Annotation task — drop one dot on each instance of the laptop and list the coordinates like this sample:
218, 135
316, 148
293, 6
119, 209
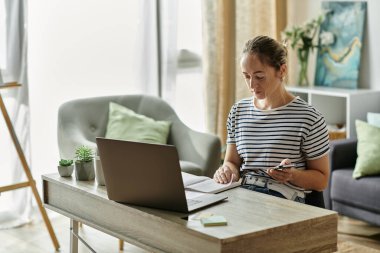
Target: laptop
147, 175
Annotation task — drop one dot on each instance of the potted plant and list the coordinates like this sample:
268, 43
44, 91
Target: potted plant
84, 163
65, 168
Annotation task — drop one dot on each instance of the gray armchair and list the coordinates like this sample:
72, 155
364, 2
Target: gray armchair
81, 121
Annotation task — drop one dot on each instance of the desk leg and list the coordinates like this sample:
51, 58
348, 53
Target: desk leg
73, 238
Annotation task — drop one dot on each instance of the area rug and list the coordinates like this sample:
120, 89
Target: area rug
350, 247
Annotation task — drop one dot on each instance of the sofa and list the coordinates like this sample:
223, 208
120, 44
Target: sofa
356, 198
80, 121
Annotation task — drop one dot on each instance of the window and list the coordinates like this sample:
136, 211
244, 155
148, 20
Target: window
189, 99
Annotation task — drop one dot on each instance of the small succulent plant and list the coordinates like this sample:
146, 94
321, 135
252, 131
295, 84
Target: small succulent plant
84, 154
65, 163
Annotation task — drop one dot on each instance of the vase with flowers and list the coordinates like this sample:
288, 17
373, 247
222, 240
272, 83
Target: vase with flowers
301, 39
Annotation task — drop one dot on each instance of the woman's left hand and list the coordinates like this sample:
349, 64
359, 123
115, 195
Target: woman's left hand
284, 175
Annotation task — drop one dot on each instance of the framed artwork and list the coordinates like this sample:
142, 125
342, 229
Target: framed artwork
340, 38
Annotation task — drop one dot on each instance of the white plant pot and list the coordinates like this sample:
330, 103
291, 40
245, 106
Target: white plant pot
65, 171
84, 171
99, 171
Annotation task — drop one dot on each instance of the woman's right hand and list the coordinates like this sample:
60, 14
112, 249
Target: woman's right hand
225, 175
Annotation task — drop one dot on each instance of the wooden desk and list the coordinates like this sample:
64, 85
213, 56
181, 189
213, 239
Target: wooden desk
256, 222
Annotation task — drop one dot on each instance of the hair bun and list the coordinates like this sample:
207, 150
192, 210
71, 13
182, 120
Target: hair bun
270, 51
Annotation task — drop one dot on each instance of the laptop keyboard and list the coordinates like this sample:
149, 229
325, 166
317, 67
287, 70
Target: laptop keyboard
191, 202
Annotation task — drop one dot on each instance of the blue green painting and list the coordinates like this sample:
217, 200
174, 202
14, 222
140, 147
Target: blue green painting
340, 37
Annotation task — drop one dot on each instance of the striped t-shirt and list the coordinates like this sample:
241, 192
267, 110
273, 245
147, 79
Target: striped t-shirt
264, 138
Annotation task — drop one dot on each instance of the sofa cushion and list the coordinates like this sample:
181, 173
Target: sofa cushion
368, 150
125, 124
361, 193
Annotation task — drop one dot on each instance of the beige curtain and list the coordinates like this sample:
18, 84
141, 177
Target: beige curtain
227, 25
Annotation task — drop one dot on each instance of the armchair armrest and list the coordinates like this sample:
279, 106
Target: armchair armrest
343, 153
209, 148
203, 149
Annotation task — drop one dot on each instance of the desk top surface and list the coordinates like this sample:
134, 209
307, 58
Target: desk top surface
245, 211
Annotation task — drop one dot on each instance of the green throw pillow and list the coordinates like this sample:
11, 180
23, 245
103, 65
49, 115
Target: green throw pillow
368, 161
373, 118
125, 124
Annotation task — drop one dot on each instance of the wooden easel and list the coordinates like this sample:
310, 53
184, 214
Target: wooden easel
30, 181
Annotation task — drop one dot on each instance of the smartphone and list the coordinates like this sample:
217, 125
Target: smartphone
284, 166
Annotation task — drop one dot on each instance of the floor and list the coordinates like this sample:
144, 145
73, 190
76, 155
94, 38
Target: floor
358, 232
34, 238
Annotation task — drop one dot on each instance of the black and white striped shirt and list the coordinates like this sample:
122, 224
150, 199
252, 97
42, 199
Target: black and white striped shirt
264, 138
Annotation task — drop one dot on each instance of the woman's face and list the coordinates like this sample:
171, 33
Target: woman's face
262, 80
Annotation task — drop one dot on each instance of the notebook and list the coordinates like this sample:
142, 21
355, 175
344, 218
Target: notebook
147, 175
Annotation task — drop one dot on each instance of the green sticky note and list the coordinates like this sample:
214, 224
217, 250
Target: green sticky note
215, 220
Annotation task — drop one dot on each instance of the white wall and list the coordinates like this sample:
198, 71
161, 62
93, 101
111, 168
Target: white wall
76, 49
300, 11
369, 72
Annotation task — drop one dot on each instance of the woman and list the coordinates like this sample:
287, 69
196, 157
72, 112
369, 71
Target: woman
273, 128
